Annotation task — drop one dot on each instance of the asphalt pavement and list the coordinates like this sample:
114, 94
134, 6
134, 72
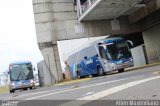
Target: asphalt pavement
140, 84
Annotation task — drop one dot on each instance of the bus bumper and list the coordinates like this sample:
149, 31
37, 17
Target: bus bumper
21, 86
115, 67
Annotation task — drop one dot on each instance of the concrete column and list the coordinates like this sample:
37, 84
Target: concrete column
57, 63
151, 39
44, 20
51, 58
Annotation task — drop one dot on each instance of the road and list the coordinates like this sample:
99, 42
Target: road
140, 84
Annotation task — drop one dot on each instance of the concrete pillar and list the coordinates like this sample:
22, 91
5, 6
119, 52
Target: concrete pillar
151, 40
51, 58
57, 63
43, 12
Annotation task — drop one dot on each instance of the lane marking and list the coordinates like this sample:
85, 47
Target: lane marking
145, 67
36, 93
87, 86
107, 92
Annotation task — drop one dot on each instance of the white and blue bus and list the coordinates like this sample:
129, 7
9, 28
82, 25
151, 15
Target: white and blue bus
100, 57
21, 76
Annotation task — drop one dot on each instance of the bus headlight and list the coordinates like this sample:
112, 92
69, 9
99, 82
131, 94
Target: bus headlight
31, 81
12, 83
113, 66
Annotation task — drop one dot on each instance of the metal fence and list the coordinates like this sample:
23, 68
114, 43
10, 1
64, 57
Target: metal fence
81, 8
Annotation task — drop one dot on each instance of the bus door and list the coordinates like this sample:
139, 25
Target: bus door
103, 58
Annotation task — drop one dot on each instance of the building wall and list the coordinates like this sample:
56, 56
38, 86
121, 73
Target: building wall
151, 40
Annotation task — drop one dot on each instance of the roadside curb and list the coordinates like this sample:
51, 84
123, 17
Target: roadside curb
156, 73
145, 66
73, 81
86, 79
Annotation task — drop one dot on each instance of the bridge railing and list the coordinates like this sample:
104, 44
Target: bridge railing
82, 8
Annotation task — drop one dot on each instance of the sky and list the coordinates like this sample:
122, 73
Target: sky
17, 33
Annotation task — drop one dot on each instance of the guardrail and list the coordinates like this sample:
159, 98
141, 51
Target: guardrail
87, 4
81, 8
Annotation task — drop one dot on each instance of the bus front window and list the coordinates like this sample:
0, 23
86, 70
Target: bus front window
118, 51
21, 72
27, 71
16, 73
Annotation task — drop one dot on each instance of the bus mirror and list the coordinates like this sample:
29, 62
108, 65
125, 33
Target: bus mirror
34, 68
85, 57
130, 43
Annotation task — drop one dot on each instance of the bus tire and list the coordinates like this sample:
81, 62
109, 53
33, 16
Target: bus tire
100, 71
95, 75
121, 70
12, 91
24, 89
31, 88
78, 76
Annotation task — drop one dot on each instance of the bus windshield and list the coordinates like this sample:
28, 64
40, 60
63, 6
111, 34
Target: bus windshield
21, 72
115, 51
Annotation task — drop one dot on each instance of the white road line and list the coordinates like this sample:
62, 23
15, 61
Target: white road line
87, 86
107, 92
36, 93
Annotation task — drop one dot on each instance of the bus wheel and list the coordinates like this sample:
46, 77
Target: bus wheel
24, 89
78, 76
11, 91
31, 88
95, 75
100, 71
121, 70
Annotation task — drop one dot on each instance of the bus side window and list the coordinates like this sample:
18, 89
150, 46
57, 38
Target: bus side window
85, 57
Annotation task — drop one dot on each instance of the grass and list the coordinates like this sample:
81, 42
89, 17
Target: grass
4, 89
72, 81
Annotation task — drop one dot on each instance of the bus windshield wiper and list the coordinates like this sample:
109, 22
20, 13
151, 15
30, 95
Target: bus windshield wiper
18, 76
28, 75
25, 75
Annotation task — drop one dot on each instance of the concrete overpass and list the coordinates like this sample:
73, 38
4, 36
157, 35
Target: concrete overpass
107, 9
58, 20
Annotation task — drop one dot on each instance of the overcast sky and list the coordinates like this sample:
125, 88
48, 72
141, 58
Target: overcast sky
17, 33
